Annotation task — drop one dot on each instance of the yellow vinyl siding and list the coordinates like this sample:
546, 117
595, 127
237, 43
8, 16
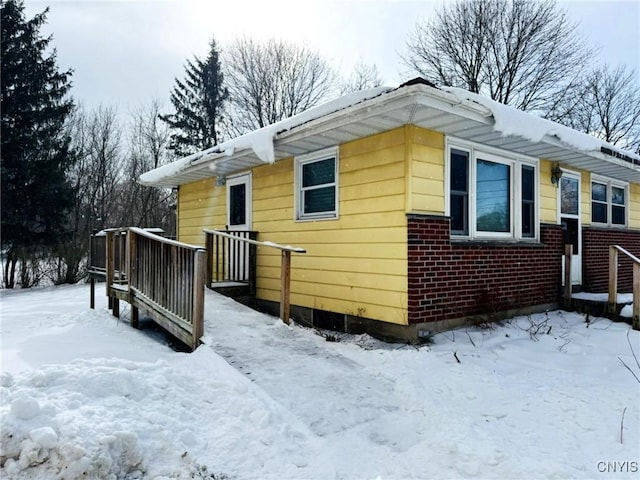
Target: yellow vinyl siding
355, 264
548, 194
634, 206
200, 205
426, 170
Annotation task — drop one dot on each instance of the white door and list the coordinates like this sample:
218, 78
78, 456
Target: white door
238, 220
569, 208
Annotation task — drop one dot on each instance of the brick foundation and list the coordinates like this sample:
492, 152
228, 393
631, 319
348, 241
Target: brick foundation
595, 257
453, 280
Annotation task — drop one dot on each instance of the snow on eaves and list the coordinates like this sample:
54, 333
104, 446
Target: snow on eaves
510, 121
261, 140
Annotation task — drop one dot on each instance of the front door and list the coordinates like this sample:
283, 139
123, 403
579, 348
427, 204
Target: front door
238, 220
569, 207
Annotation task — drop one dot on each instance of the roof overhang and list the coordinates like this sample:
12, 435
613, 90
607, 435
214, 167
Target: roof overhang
416, 104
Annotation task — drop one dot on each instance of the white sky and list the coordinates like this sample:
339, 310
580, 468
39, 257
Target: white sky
127, 53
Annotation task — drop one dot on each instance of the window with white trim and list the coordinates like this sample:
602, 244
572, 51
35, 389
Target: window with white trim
491, 194
316, 185
608, 201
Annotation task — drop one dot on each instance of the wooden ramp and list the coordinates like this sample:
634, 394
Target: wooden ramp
163, 277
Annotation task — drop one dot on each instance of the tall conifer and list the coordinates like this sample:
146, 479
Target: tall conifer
35, 146
198, 101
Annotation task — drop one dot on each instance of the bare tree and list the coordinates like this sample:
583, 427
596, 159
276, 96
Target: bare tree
362, 77
518, 52
606, 105
149, 145
95, 178
272, 81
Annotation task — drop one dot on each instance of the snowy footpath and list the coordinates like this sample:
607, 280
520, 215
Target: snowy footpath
83, 395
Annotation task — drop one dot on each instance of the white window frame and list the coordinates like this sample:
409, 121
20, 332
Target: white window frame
515, 162
610, 183
299, 162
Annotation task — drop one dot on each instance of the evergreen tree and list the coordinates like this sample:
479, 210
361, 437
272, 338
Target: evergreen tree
198, 101
35, 145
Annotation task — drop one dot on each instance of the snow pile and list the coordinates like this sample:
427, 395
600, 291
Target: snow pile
259, 141
83, 395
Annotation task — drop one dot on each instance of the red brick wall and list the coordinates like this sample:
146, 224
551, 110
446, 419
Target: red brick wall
595, 258
453, 280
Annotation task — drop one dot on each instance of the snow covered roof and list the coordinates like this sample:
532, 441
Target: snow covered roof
448, 110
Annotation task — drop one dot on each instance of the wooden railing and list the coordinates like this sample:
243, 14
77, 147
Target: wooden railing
285, 269
614, 251
163, 277
166, 278
230, 258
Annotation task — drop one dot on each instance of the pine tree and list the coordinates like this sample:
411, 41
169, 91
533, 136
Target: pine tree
198, 101
35, 146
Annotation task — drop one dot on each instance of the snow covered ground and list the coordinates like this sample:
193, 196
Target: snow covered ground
83, 395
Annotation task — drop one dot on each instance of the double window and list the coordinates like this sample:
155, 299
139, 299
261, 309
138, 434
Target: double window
491, 195
608, 201
317, 185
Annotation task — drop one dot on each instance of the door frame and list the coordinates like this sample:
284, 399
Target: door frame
243, 178
576, 264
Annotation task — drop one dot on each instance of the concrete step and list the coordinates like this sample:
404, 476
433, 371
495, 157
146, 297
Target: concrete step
597, 304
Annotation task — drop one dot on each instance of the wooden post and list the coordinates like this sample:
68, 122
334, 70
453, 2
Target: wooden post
209, 246
116, 307
636, 297
135, 315
253, 262
92, 292
285, 286
613, 279
566, 296
199, 275
109, 267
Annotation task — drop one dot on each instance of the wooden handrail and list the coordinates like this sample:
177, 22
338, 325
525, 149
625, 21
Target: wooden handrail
285, 267
613, 283
162, 276
255, 242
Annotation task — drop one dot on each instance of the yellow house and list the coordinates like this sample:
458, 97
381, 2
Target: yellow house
419, 207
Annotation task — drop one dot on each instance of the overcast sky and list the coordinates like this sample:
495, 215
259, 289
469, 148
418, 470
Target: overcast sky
127, 52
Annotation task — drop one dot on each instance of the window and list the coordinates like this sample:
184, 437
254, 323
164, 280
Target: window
317, 185
459, 192
491, 195
608, 201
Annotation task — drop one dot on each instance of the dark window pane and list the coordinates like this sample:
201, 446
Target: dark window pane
528, 202
459, 171
458, 196
598, 192
493, 197
320, 200
528, 219
459, 222
599, 212
571, 233
617, 195
237, 204
319, 173
528, 185
618, 215
569, 196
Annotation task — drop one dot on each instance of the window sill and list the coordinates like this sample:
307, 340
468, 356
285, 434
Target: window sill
495, 242
316, 219
605, 226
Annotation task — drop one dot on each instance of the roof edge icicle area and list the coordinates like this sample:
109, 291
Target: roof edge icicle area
504, 120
